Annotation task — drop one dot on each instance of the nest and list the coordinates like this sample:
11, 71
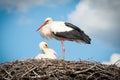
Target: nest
31, 69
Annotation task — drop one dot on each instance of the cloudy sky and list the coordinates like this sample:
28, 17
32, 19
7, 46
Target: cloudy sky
19, 20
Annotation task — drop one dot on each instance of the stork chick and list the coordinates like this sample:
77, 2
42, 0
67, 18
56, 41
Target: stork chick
47, 53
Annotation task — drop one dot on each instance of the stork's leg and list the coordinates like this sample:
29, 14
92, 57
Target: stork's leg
63, 49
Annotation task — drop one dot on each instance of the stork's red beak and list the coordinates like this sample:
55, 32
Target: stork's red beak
41, 26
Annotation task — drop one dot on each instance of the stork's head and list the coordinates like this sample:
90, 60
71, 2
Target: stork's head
47, 20
43, 45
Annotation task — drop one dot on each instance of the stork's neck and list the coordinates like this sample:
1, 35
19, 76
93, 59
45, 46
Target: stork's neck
49, 51
44, 50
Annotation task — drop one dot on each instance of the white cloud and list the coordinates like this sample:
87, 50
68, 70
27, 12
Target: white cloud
114, 59
24, 5
100, 19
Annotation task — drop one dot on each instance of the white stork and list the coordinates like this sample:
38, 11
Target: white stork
47, 53
62, 31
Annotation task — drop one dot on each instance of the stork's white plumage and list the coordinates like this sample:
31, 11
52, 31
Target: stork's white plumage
62, 31
47, 53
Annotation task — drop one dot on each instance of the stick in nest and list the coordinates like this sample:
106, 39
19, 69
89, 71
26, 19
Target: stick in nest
78, 72
29, 71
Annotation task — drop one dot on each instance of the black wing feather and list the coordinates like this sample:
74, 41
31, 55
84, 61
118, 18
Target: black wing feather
73, 35
72, 26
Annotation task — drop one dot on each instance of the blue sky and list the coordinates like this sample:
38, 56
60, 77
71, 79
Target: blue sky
19, 21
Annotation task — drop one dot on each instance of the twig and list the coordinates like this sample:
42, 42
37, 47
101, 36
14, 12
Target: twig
43, 76
6, 78
78, 72
54, 76
105, 71
29, 71
109, 77
6, 72
36, 74
91, 75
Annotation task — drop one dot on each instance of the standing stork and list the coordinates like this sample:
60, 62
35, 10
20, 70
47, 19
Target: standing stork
62, 31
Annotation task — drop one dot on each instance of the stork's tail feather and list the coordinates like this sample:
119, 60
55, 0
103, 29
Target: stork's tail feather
86, 38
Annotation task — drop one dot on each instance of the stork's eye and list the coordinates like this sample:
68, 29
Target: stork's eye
46, 45
47, 21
